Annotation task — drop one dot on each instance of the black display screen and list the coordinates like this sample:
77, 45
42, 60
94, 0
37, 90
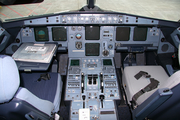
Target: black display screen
92, 33
59, 33
140, 34
41, 34
74, 62
107, 62
122, 33
92, 49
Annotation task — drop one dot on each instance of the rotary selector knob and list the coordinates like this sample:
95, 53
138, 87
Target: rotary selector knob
79, 28
73, 28
105, 53
78, 45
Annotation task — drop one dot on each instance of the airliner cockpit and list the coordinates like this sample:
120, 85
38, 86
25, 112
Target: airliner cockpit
89, 64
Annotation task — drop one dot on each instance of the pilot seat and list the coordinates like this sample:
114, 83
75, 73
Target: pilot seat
35, 99
151, 93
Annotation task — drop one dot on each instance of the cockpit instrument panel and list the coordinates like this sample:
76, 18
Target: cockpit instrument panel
75, 32
91, 42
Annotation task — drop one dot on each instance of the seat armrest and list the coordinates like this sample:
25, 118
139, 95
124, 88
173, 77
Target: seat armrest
42, 105
150, 104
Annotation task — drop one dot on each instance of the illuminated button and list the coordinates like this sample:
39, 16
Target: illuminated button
68, 18
89, 60
74, 18
84, 60
103, 19
109, 18
86, 18
96, 60
92, 60
114, 18
82, 18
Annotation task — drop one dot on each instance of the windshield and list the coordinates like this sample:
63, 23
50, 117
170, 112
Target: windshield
166, 9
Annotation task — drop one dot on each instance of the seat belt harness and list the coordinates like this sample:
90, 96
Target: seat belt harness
154, 84
142, 73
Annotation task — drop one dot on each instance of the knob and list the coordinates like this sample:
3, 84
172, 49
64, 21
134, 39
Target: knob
78, 45
105, 53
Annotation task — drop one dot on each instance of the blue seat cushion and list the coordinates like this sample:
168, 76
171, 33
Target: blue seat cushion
44, 89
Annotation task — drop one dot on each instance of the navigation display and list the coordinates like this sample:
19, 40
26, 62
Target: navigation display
41, 34
122, 33
92, 49
59, 33
140, 34
92, 33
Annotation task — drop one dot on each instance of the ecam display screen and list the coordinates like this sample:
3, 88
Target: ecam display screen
92, 32
107, 62
74, 62
92, 49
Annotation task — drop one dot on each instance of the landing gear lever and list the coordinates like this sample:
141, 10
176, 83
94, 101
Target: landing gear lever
101, 97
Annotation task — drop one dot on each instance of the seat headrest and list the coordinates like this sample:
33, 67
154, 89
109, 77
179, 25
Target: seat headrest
9, 78
172, 81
